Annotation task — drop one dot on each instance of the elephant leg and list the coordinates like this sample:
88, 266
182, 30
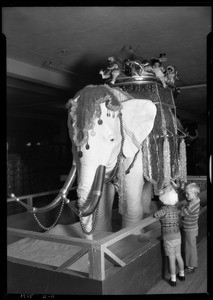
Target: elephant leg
105, 208
134, 186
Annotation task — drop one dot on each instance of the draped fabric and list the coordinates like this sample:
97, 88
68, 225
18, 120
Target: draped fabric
160, 152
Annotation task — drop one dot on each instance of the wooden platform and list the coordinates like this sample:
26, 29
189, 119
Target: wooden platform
143, 265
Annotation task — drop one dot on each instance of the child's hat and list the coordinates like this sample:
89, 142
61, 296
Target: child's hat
168, 195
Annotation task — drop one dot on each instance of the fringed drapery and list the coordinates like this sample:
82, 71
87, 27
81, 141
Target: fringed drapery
182, 161
121, 187
161, 160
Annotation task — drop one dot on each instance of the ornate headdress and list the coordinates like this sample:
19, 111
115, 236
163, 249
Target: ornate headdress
85, 109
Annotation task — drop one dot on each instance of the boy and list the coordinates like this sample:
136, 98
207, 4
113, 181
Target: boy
190, 215
169, 218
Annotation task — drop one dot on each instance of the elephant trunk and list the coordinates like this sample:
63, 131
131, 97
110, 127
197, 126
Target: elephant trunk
88, 208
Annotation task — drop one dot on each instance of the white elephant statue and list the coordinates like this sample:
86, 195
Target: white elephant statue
111, 129
123, 141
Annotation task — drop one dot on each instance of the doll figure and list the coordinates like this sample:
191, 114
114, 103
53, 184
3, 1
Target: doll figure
112, 70
171, 74
159, 71
127, 67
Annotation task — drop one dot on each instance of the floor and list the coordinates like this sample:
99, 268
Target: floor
194, 283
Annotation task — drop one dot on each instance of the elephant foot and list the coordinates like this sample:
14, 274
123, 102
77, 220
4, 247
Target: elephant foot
144, 237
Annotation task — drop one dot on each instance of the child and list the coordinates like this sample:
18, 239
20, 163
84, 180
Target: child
169, 218
190, 215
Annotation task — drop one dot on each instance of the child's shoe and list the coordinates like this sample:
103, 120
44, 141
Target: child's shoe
181, 278
189, 270
172, 283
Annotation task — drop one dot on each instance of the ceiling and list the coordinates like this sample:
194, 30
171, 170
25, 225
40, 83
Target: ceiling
52, 52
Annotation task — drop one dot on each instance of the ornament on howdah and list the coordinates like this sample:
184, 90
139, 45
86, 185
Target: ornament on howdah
135, 66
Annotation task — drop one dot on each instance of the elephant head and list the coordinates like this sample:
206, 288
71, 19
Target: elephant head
104, 124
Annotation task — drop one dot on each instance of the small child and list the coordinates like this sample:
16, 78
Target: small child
169, 218
190, 215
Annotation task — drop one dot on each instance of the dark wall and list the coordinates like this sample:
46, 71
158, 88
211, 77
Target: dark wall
38, 153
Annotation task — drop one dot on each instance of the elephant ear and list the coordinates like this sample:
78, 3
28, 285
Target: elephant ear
138, 121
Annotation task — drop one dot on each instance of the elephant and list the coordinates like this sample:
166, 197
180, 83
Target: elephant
111, 133
125, 140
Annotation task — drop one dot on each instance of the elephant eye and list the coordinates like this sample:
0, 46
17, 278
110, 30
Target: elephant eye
113, 137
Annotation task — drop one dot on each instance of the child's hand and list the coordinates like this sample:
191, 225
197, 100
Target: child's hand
176, 185
181, 203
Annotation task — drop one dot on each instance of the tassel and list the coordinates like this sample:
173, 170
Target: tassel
166, 161
121, 188
182, 161
80, 154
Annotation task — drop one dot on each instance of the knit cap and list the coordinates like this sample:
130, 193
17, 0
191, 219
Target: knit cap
168, 196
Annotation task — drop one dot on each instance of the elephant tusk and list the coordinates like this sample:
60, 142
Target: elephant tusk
60, 197
96, 194
69, 181
63, 192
